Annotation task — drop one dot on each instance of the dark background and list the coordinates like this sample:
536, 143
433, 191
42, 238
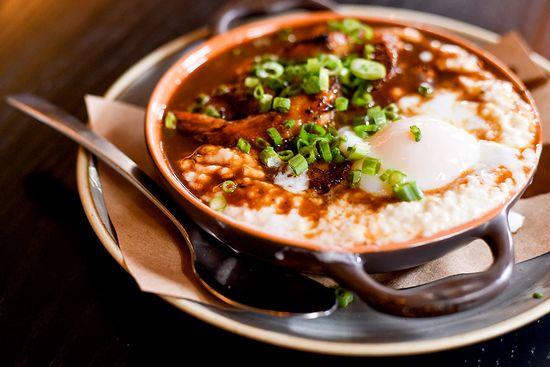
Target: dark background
63, 300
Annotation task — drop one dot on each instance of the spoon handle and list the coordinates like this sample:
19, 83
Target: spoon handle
77, 131
249, 285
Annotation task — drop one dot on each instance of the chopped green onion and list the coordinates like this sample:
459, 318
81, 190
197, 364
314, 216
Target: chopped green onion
376, 115
261, 143
358, 151
243, 145
324, 80
300, 143
229, 186
218, 202
344, 297
269, 157
281, 104
310, 153
170, 121
203, 99
324, 148
314, 129
313, 65
258, 92
337, 156
289, 124
350, 25
223, 89
363, 131
274, 135
341, 104
298, 164
332, 63
344, 76
361, 98
393, 177
270, 69
311, 85
354, 177
285, 155
371, 166
251, 82
425, 89
265, 102
369, 51
407, 191
367, 69
212, 112
416, 133
538, 295
391, 111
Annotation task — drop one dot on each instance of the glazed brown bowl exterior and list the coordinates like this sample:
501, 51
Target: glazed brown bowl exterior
348, 266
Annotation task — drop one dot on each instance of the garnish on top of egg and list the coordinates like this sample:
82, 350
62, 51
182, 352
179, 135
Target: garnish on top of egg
346, 135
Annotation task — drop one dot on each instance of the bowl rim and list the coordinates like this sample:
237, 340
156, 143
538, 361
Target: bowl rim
216, 45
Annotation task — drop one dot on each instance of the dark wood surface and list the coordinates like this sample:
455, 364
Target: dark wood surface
63, 300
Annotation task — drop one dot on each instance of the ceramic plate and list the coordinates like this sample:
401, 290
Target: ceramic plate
357, 330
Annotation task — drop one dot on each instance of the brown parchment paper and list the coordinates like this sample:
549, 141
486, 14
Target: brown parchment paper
157, 257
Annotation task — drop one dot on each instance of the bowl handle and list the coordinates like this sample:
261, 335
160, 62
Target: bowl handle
444, 296
236, 9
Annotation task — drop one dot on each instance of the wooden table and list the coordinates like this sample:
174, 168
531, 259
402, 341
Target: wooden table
63, 300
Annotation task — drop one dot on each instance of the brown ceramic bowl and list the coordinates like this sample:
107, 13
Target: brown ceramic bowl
349, 267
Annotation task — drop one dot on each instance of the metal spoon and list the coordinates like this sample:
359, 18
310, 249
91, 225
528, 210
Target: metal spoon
236, 279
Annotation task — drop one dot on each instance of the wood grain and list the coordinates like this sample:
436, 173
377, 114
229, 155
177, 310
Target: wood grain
63, 301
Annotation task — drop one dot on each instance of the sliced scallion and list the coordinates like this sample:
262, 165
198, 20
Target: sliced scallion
416, 133
281, 104
289, 124
309, 153
341, 104
425, 89
228, 186
369, 51
218, 202
313, 65
393, 177
203, 99
361, 98
376, 115
270, 69
212, 112
269, 157
407, 191
170, 121
285, 155
298, 164
367, 69
258, 92
275, 136
251, 82
311, 84
358, 151
265, 102
337, 156
243, 145
344, 297
371, 166
261, 143
324, 80
324, 149
354, 178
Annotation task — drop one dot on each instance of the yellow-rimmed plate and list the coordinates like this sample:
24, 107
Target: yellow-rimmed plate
356, 330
